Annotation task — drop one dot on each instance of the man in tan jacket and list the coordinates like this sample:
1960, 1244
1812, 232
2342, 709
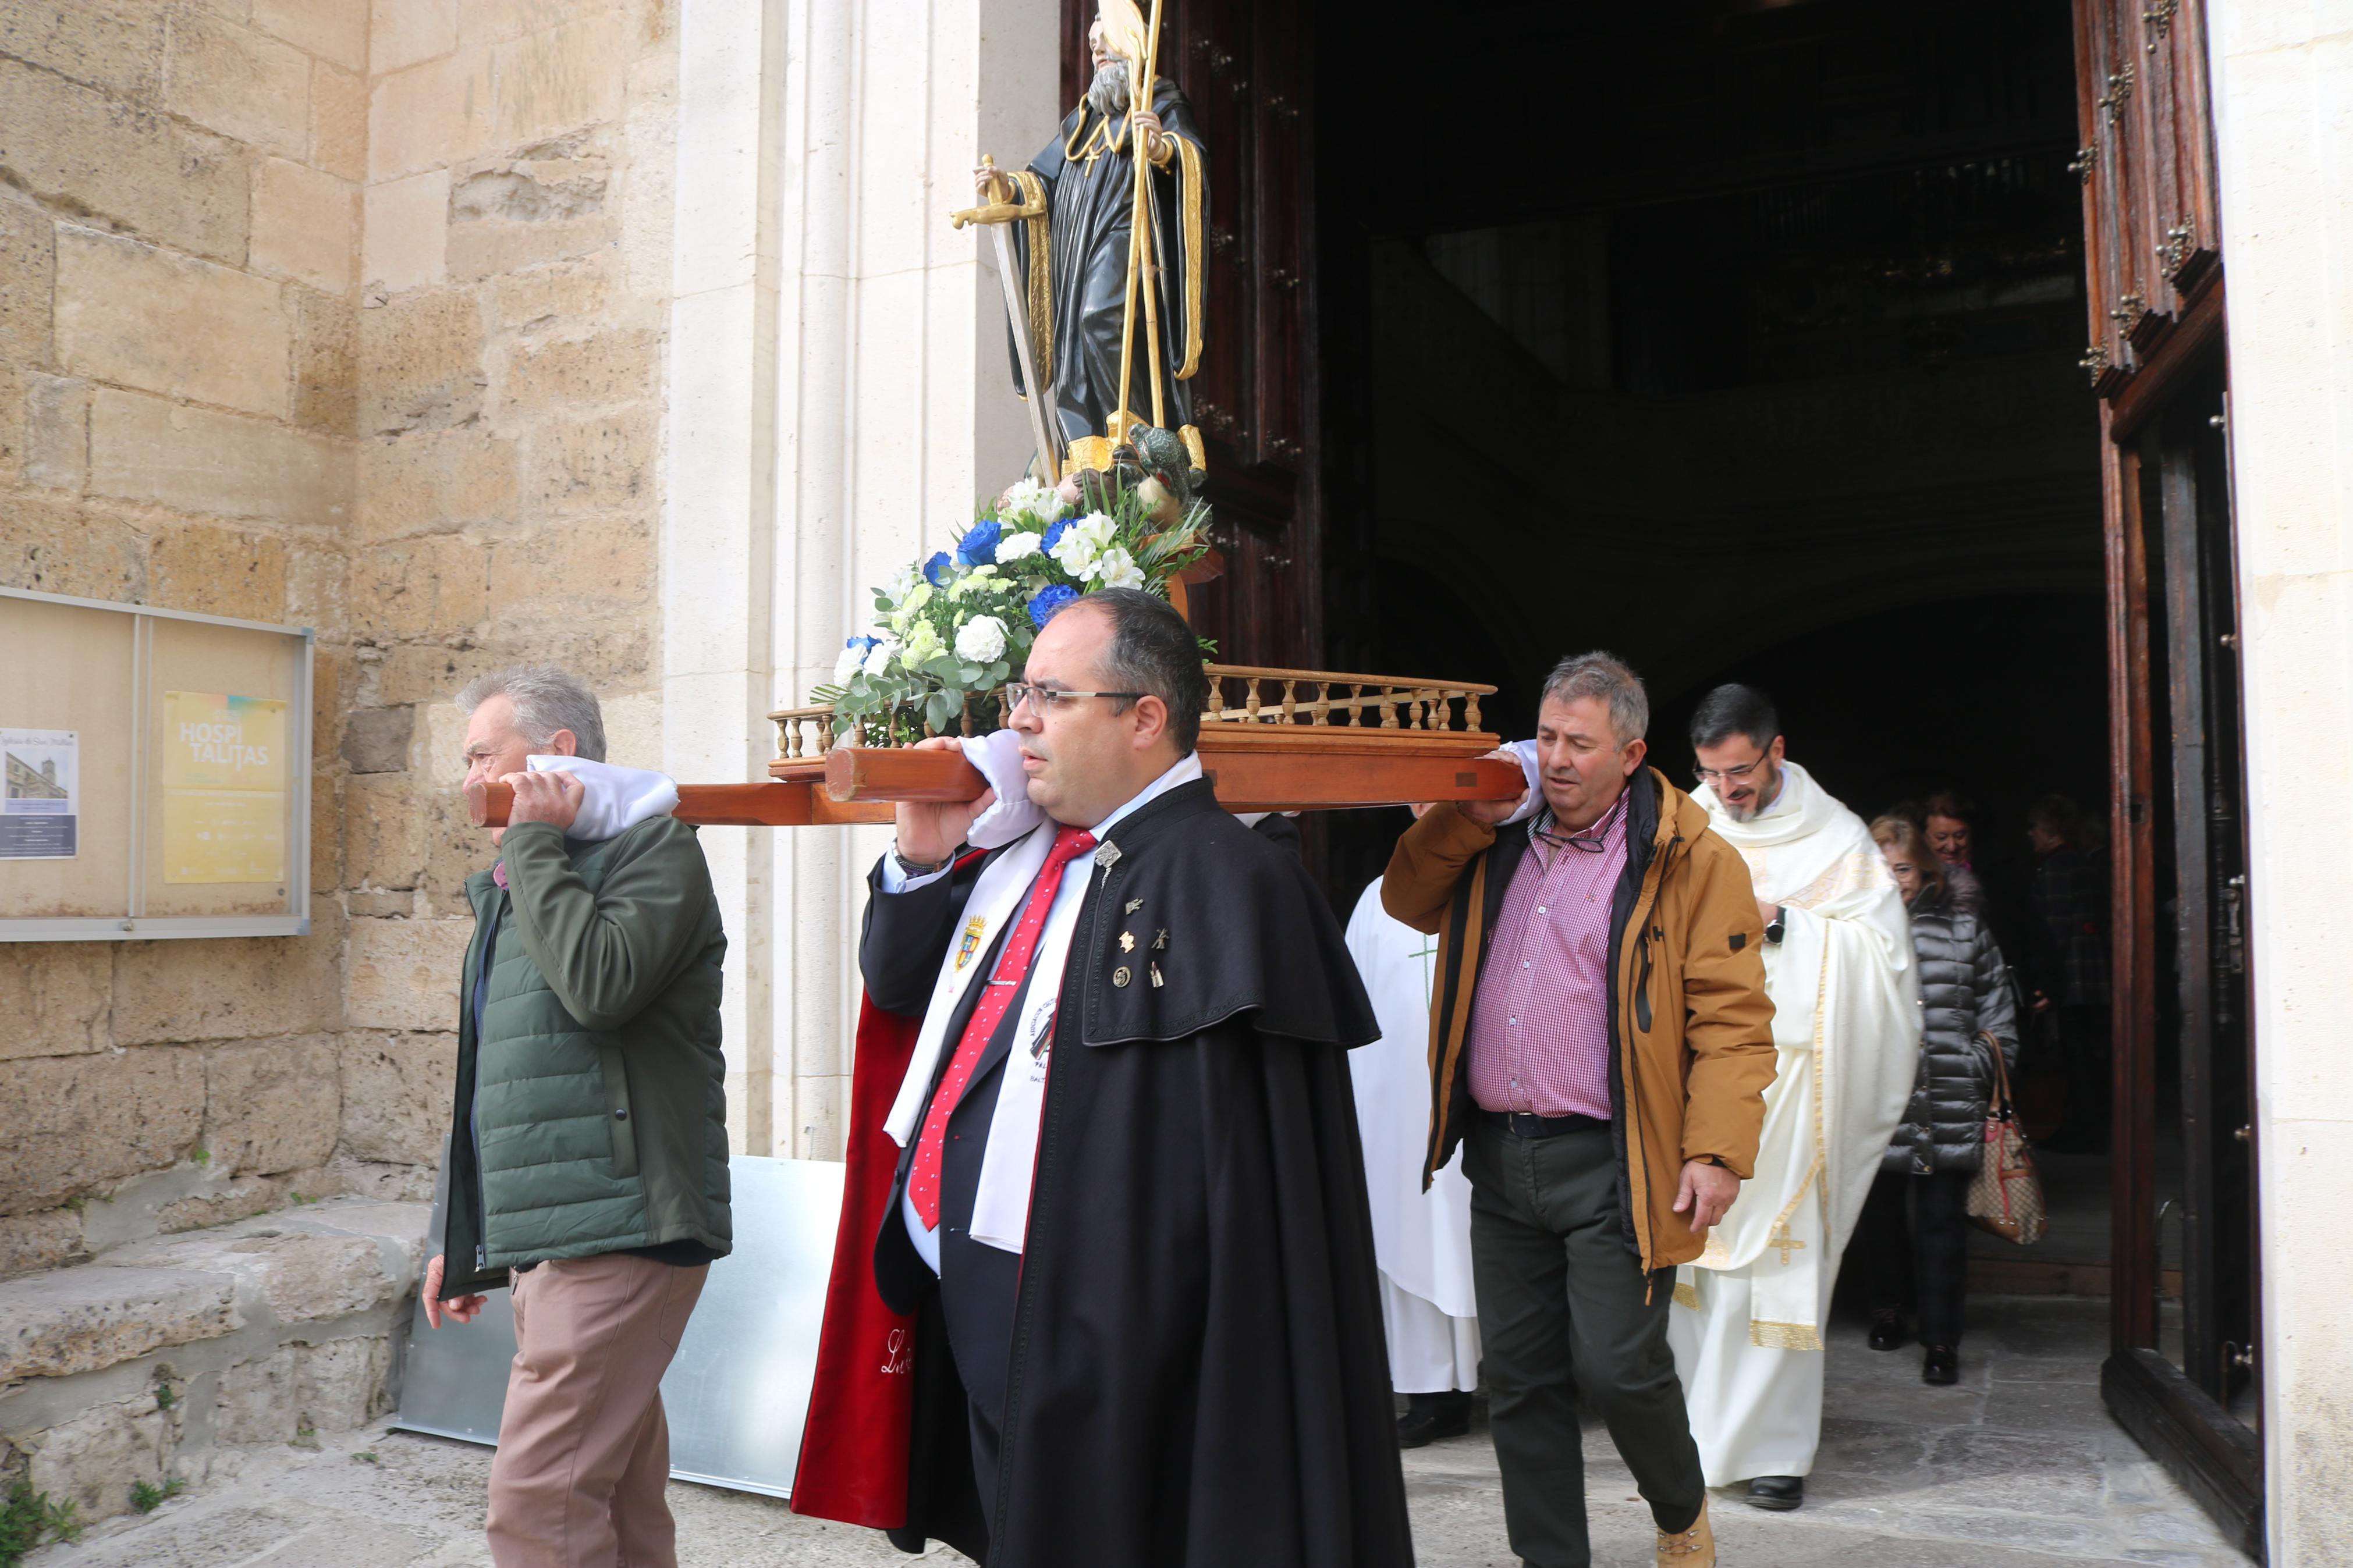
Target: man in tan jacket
1600, 1040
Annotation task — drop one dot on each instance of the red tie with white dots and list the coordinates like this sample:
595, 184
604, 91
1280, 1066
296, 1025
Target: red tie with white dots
1012, 966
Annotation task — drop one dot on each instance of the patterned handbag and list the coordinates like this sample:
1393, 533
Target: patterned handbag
2006, 1194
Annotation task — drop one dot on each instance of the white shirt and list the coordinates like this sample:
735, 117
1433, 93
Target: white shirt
1061, 926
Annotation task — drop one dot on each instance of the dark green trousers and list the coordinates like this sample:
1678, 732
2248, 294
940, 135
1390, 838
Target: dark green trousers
1562, 1307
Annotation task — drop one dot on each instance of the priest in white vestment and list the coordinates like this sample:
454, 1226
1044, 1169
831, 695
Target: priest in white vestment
1421, 1241
1746, 1329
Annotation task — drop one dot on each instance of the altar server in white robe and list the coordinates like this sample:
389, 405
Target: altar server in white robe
1747, 1329
1421, 1241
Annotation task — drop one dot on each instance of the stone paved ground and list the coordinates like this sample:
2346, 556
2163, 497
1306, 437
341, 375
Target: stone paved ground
2018, 1467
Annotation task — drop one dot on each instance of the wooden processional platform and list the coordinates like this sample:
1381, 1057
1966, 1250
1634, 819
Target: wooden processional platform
1274, 739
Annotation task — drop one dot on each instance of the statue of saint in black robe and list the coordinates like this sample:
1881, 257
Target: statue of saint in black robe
1190, 1371
1074, 261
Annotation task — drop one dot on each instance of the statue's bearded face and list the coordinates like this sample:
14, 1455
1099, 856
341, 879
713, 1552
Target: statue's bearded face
1107, 94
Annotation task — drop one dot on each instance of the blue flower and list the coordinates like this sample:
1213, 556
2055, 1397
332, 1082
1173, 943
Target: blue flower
863, 644
1054, 534
1049, 603
978, 547
937, 570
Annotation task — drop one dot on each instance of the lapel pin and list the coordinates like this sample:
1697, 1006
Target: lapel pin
1120, 976
1107, 856
1127, 941
1133, 905
1157, 981
1160, 942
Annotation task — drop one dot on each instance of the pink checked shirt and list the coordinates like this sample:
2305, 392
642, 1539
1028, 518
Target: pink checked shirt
1540, 1018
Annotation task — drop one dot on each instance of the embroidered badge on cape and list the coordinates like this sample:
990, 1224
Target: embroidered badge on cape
972, 931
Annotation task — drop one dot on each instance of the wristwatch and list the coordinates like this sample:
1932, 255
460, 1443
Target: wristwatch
917, 867
1773, 934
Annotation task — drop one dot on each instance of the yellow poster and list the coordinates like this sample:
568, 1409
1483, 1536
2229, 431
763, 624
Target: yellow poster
225, 782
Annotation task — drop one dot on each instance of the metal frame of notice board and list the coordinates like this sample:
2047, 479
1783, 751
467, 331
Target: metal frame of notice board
132, 919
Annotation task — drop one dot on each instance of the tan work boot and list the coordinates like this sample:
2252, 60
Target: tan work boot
1692, 1548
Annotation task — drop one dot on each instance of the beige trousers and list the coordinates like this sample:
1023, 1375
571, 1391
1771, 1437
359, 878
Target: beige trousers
584, 1449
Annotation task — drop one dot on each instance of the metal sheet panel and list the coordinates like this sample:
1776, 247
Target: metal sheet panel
738, 1389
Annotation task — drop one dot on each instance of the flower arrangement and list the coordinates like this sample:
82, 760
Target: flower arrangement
950, 631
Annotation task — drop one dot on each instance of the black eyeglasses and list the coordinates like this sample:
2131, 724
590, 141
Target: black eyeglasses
1046, 698
1590, 840
1727, 776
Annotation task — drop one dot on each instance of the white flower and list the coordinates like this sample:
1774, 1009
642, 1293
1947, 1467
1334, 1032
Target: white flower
971, 582
1081, 542
878, 658
1027, 497
981, 640
1115, 568
852, 660
1015, 546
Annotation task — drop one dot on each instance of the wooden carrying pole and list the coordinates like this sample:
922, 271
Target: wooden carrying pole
860, 783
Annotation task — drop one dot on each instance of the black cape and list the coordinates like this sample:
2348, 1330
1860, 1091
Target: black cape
1199, 1374
1090, 219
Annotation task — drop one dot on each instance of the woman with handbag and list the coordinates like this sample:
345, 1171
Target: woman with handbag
1914, 1228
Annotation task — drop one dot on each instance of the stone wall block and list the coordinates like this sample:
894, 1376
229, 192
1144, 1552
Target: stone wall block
317, 573
246, 986
115, 45
98, 1457
339, 110
560, 78
310, 1278
256, 1400
193, 459
593, 465
80, 1124
54, 998
340, 1385
429, 481
429, 115
219, 571
551, 297
482, 250
272, 1106
403, 32
244, 84
405, 974
240, 1199
427, 672
436, 585
595, 567
581, 373
326, 830
326, 361
125, 166
151, 319
51, 545
384, 840
396, 1093
454, 850
404, 238
56, 432
27, 273
78, 1320
420, 363
334, 30
375, 740
305, 224
33, 1242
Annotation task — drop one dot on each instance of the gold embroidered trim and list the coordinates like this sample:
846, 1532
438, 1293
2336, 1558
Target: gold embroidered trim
1041, 273
1189, 160
1687, 1296
1784, 1336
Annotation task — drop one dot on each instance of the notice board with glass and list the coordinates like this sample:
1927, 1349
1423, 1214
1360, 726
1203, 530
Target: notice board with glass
158, 773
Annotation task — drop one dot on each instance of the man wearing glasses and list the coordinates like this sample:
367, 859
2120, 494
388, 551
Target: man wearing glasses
1747, 1328
1601, 1047
1128, 1217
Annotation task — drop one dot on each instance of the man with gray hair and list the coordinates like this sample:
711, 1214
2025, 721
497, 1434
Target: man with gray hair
587, 1161
1601, 1046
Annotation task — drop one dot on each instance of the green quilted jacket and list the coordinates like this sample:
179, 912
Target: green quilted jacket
591, 1114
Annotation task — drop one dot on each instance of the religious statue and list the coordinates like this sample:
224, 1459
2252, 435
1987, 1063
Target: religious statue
1101, 256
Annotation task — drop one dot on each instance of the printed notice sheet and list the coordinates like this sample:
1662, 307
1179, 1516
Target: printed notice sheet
40, 814
225, 782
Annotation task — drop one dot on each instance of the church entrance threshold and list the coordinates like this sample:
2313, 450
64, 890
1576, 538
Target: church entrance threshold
2018, 1466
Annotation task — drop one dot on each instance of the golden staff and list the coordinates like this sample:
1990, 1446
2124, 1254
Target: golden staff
1139, 243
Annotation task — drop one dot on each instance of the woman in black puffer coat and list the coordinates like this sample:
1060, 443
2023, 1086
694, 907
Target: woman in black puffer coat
1964, 992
